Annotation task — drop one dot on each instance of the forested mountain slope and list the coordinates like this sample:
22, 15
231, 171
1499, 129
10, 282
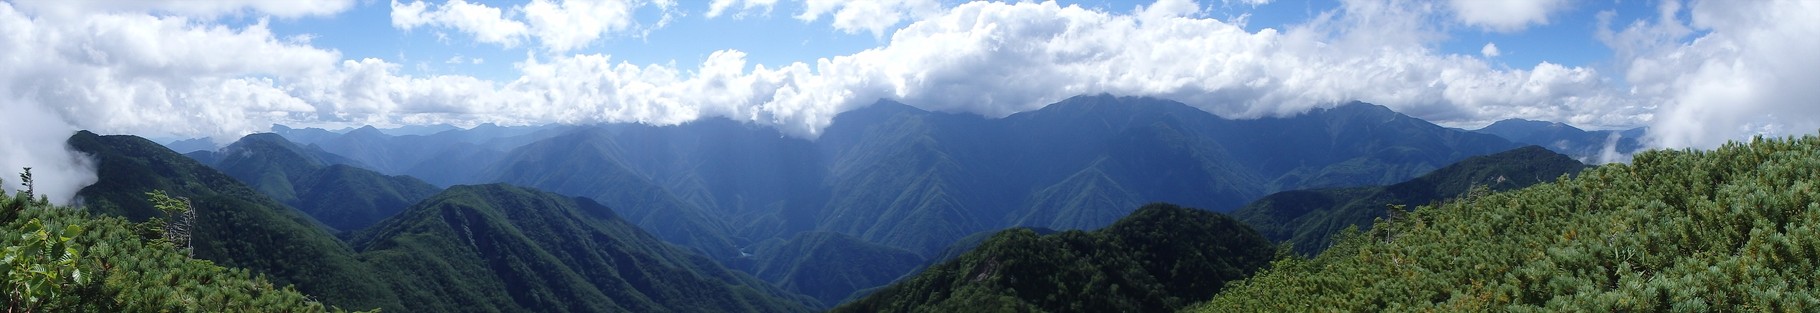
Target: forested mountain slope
830, 266
234, 225
321, 184
498, 247
588, 163
1159, 259
539, 248
917, 180
1308, 219
1728, 230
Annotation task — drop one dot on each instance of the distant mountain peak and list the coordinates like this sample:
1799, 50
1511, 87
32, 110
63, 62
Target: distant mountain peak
1361, 107
888, 105
1526, 123
366, 130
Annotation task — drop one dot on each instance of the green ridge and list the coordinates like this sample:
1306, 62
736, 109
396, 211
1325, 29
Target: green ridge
1160, 258
1729, 230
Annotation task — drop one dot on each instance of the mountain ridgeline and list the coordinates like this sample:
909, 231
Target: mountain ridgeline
478, 255
1161, 258
1597, 146
830, 266
329, 187
516, 249
234, 226
1308, 219
916, 180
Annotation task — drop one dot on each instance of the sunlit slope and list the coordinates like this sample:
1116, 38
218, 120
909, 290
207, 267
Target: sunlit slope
1733, 229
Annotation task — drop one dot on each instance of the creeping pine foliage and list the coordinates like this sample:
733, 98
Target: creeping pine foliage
1733, 229
61, 259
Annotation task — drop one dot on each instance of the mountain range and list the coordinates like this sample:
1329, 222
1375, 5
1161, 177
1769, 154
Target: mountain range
1309, 219
485, 248
1598, 146
916, 180
893, 185
333, 189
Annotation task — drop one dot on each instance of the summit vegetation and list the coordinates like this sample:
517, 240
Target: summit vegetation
1736, 229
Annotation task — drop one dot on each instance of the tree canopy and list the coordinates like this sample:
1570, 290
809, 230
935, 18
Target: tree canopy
1732, 229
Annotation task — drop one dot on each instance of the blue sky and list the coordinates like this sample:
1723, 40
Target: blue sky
364, 31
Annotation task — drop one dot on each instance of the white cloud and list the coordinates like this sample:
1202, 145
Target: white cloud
573, 24
32, 137
988, 58
171, 75
557, 25
718, 7
486, 24
874, 16
192, 8
1490, 50
1735, 69
1505, 15
1169, 8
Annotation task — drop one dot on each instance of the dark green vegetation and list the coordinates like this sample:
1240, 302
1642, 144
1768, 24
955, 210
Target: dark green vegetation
528, 258
1730, 230
830, 266
515, 249
1158, 259
1587, 146
316, 182
1308, 219
235, 226
60, 259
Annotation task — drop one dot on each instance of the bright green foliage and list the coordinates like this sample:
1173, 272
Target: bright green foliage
1735, 229
1160, 258
60, 259
1307, 220
40, 268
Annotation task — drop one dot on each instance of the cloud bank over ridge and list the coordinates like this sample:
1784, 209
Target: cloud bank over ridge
1699, 74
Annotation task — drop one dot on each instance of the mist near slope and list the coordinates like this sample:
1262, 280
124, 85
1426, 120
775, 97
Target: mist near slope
32, 137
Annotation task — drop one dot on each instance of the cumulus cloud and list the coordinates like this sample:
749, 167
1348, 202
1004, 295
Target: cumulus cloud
874, 16
1733, 70
1490, 50
1505, 15
178, 76
987, 58
718, 7
192, 8
486, 24
556, 25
